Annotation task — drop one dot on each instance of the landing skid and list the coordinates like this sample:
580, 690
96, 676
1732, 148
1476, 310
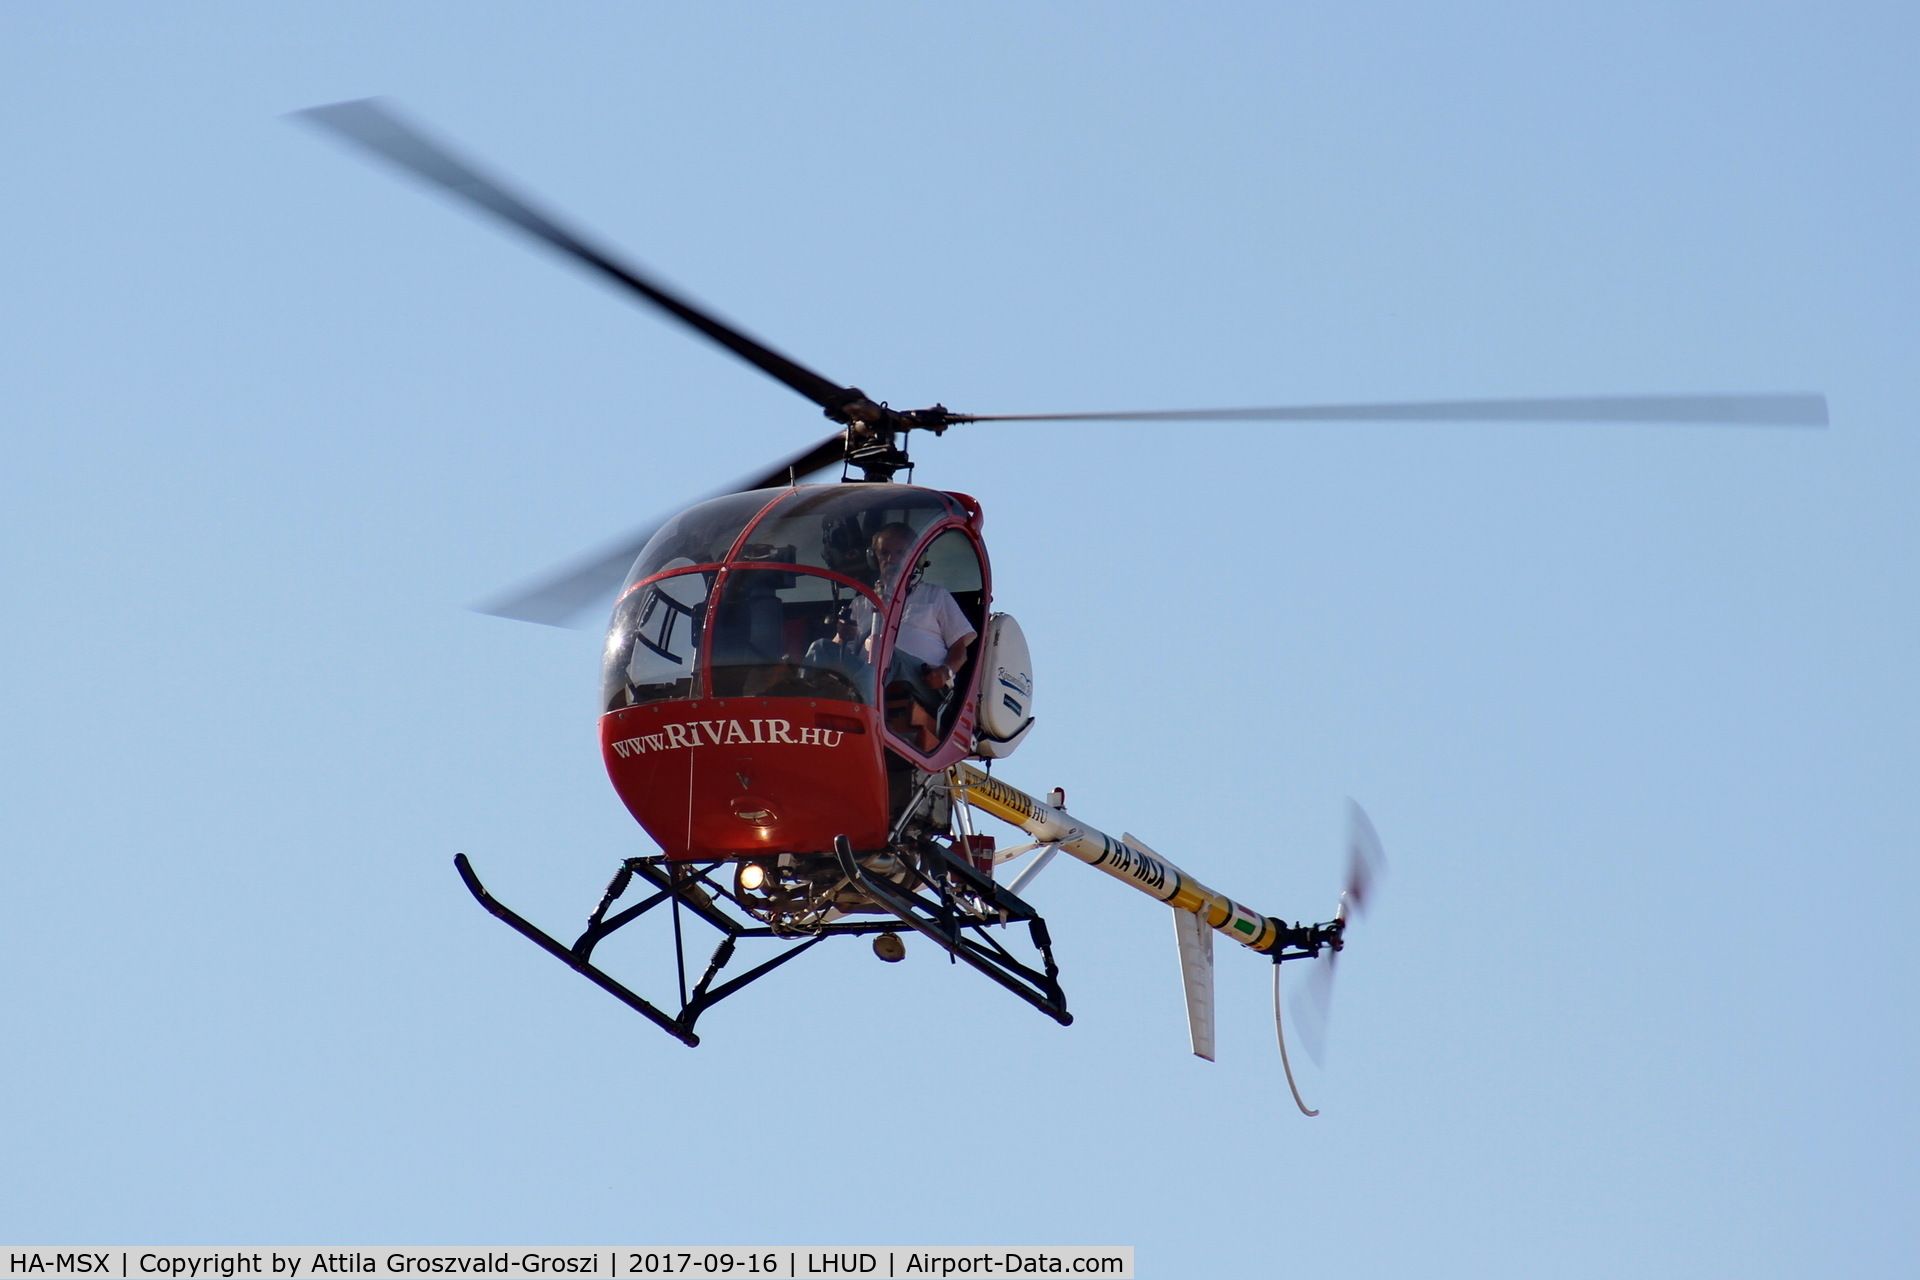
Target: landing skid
953, 907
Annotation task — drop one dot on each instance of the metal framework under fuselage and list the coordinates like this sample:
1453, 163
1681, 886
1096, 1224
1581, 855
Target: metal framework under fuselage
943, 898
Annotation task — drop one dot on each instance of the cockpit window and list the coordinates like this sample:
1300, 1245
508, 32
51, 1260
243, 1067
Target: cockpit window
654, 642
833, 526
780, 634
702, 534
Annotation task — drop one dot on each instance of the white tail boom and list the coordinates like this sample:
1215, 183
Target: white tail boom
1198, 912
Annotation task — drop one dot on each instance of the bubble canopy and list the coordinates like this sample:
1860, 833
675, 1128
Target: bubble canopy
768, 593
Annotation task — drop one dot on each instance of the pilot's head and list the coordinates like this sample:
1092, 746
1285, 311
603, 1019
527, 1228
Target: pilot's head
891, 542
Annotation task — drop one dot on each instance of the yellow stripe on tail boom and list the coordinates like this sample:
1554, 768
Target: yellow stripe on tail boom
1124, 860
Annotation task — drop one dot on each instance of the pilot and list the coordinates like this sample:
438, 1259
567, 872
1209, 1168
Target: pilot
931, 645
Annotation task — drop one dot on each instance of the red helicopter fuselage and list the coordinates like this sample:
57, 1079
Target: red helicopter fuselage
762, 692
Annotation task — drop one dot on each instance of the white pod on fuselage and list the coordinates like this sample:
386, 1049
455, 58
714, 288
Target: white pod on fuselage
1006, 690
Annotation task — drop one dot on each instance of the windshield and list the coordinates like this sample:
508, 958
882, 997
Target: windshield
702, 534
790, 635
833, 526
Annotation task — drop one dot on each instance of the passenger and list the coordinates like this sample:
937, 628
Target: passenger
843, 645
841, 654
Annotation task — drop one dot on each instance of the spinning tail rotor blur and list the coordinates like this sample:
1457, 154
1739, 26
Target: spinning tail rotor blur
1312, 1001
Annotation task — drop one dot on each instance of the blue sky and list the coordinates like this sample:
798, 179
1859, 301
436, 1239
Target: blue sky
1632, 707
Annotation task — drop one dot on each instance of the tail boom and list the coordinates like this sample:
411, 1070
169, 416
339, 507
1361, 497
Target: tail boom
1125, 860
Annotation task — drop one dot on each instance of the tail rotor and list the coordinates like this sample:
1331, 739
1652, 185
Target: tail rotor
1312, 1001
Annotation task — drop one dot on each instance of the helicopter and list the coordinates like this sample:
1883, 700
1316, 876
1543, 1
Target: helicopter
805, 687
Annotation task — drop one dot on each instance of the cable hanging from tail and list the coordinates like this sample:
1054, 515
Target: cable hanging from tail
1280, 1031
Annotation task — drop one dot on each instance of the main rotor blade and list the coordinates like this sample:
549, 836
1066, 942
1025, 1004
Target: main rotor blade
371, 125
561, 596
1793, 410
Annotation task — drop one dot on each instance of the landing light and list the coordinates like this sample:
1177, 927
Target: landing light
752, 875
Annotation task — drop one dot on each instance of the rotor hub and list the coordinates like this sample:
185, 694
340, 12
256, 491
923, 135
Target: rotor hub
876, 431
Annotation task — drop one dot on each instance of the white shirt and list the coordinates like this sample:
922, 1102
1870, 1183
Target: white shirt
932, 624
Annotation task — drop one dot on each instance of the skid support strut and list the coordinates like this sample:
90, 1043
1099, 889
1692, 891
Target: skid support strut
679, 884
949, 903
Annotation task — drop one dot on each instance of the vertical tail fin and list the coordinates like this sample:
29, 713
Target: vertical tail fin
1196, 974
1195, 940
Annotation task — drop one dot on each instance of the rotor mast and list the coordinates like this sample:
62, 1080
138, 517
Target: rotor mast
876, 434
